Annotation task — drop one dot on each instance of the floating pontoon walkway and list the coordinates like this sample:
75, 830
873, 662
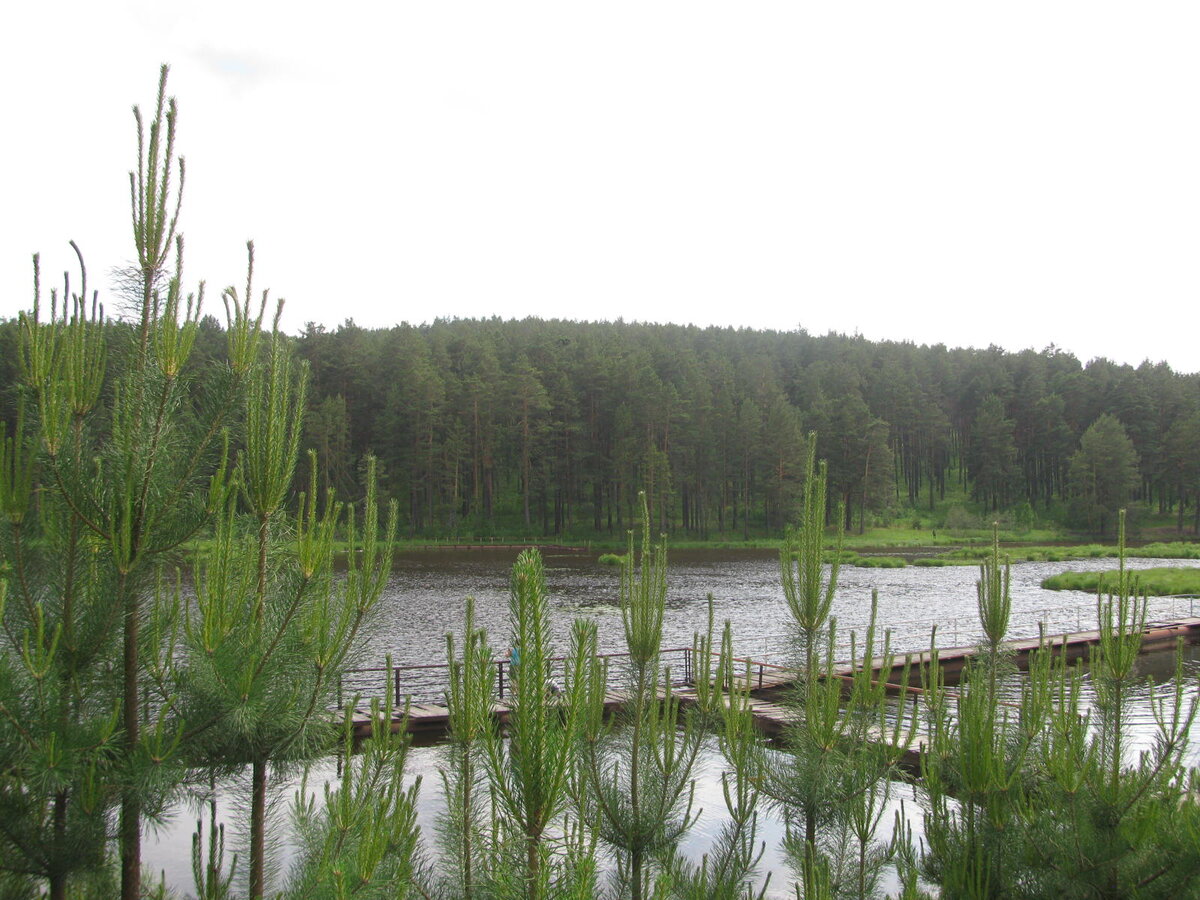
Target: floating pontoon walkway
766, 681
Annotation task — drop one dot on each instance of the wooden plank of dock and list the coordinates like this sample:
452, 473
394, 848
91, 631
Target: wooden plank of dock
1157, 635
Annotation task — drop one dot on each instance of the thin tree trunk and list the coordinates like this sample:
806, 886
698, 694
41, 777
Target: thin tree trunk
467, 849
258, 827
532, 865
58, 879
131, 807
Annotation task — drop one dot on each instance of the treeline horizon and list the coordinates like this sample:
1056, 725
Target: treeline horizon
550, 427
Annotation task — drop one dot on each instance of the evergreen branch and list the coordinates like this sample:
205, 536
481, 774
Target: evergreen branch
17, 723
94, 526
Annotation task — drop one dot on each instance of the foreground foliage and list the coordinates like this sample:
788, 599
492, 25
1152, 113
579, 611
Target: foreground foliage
117, 693
1044, 795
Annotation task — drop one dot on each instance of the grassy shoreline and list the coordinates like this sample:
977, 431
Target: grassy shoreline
866, 551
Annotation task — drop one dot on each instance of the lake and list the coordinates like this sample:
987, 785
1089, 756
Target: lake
426, 597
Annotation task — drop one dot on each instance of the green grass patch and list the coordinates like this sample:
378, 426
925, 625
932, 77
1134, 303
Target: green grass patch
880, 562
1155, 582
844, 557
611, 559
682, 542
1037, 554
934, 536
1173, 550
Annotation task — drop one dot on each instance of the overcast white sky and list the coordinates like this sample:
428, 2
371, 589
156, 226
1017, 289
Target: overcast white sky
1018, 174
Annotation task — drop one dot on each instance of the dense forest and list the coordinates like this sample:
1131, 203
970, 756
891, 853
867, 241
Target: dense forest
549, 428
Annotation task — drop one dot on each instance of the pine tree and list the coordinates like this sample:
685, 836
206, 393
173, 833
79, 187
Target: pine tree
1103, 473
124, 464
529, 769
111, 685
638, 776
832, 783
462, 824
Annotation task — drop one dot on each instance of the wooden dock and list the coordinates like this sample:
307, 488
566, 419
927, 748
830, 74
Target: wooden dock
432, 719
1156, 636
768, 682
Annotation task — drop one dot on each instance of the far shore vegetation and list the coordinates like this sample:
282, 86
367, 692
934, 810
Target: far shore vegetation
872, 550
544, 431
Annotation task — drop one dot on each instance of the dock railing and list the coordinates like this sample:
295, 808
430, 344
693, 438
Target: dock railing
912, 635
429, 683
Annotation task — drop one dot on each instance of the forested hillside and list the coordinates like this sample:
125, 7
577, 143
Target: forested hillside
549, 428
